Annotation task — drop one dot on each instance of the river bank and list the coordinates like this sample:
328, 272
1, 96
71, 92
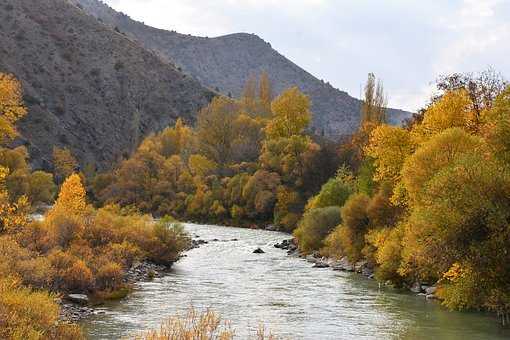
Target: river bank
362, 267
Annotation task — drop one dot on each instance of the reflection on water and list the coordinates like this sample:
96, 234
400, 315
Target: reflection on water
290, 297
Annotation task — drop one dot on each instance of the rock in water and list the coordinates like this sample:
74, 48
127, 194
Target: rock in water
258, 251
81, 299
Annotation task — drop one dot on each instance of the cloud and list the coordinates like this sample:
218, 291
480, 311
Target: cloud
407, 43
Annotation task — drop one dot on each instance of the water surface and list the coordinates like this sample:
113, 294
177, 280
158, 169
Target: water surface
292, 299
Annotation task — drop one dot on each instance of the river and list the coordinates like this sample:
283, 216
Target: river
292, 299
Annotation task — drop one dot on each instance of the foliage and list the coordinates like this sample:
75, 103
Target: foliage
64, 163
11, 107
29, 314
315, 226
291, 114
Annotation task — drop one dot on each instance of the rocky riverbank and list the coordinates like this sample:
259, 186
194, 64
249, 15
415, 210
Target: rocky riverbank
362, 267
74, 307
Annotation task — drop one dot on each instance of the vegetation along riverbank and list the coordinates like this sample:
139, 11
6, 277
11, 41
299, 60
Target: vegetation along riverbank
425, 205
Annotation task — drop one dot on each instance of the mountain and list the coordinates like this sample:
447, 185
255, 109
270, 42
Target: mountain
87, 86
225, 63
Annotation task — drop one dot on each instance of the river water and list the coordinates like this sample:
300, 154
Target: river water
292, 299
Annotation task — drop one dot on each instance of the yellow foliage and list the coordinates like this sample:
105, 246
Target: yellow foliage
389, 146
64, 162
201, 166
11, 106
454, 109
291, 114
71, 199
31, 315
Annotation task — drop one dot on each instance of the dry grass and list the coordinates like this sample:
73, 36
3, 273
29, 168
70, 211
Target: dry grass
194, 325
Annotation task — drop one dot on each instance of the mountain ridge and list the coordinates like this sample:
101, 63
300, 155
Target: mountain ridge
86, 86
224, 63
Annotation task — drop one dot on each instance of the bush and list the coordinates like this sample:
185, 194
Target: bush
78, 278
169, 239
315, 226
109, 276
27, 314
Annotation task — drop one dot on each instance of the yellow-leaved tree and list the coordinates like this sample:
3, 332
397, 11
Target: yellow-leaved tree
71, 199
64, 163
389, 146
13, 216
11, 106
291, 114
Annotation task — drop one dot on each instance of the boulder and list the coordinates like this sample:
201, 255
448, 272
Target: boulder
431, 290
431, 297
415, 288
258, 251
320, 264
81, 299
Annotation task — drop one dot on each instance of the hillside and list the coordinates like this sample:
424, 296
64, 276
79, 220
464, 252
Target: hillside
87, 86
224, 63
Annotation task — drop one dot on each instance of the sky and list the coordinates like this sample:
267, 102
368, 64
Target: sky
405, 43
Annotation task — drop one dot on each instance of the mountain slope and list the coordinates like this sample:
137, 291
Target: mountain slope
86, 86
226, 62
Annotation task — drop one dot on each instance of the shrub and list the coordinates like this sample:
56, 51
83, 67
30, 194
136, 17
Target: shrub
315, 226
169, 239
27, 314
193, 325
78, 278
109, 276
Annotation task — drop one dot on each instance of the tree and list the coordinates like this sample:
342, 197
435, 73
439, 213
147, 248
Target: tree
452, 110
496, 126
465, 219
265, 93
315, 226
71, 198
373, 114
249, 96
13, 216
389, 146
11, 107
291, 114
439, 152
482, 88
335, 192
373, 108
216, 129
64, 163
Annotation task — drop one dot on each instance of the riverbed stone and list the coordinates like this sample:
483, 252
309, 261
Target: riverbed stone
415, 288
431, 290
431, 297
81, 299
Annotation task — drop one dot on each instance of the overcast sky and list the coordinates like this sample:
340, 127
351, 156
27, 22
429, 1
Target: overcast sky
406, 43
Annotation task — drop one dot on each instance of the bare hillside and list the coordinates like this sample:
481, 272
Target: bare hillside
87, 86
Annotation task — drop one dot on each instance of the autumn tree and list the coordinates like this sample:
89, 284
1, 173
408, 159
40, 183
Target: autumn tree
64, 163
71, 198
373, 108
216, 129
373, 114
11, 106
291, 114
249, 98
265, 93
389, 146
482, 88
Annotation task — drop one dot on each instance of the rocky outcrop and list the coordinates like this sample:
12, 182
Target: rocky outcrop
224, 63
87, 86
